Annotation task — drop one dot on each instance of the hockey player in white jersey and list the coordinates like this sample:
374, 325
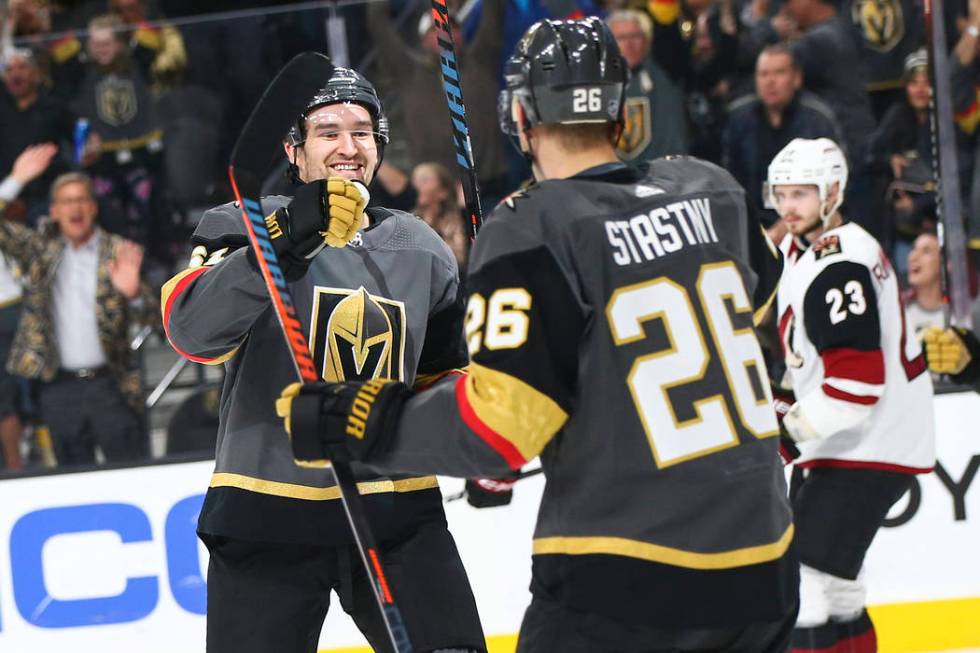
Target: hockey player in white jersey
862, 417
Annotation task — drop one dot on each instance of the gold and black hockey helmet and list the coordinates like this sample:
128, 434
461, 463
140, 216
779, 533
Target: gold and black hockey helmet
345, 86
563, 71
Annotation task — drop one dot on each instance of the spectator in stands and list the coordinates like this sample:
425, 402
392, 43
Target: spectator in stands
416, 73
713, 59
651, 94
394, 188
113, 94
82, 294
965, 81
762, 124
161, 46
30, 115
924, 298
436, 204
901, 153
30, 164
26, 20
890, 30
828, 49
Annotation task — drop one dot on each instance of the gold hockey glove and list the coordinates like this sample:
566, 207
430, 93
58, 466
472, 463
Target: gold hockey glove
346, 201
340, 421
948, 351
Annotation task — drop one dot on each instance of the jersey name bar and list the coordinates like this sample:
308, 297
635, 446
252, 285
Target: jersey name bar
664, 230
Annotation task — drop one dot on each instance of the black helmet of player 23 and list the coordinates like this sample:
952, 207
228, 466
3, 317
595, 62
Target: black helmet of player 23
564, 71
344, 86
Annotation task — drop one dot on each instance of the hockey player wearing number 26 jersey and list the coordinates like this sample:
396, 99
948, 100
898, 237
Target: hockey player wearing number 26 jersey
610, 325
863, 417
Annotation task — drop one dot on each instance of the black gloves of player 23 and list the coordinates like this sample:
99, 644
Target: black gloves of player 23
340, 421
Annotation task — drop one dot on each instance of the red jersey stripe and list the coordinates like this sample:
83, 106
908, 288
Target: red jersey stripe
171, 296
854, 364
864, 464
834, 393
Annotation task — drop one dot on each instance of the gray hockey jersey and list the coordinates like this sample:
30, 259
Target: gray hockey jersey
611, 330
388, 305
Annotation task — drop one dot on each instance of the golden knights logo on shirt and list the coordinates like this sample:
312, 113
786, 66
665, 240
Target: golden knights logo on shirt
881, 22
636, 127
356, 335
116, 100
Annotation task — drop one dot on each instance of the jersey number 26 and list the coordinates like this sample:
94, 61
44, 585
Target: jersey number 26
686, 361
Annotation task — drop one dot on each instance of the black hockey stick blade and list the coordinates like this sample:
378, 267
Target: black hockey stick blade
259, 144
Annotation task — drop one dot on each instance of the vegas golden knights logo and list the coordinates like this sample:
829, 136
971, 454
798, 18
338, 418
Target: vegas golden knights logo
357, 336
116, 100
636, 128
881, 21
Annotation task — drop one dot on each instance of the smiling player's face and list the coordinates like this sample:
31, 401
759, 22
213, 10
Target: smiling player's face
340, 142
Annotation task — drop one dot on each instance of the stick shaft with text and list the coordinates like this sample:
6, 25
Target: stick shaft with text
449, 64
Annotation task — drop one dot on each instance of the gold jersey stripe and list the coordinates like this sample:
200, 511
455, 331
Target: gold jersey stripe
760, 313
296, 491
621, 546
132, 143
425, 380
513, 409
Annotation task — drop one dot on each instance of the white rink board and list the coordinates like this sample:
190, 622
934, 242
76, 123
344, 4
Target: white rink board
68, 582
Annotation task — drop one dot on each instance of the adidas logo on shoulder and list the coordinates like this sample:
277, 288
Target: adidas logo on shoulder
648, 191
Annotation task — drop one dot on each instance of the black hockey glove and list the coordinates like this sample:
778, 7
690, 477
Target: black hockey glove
341, 421
323, 212
490, 493
782, 401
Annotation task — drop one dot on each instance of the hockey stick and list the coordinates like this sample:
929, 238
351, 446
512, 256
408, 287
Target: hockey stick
953, 274
284, 99
457, 111
520, 477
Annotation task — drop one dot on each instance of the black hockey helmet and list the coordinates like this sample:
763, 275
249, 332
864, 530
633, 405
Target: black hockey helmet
345, 86
564, 71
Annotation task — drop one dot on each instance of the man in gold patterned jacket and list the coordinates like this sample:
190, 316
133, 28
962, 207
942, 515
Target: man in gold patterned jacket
83, 292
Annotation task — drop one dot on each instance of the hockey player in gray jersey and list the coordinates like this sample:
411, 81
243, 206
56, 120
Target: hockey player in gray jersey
611, 329
379, 294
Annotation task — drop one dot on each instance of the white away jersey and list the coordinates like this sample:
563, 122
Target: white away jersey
857, 371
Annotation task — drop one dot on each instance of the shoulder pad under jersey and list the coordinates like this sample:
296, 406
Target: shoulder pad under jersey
688, 174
